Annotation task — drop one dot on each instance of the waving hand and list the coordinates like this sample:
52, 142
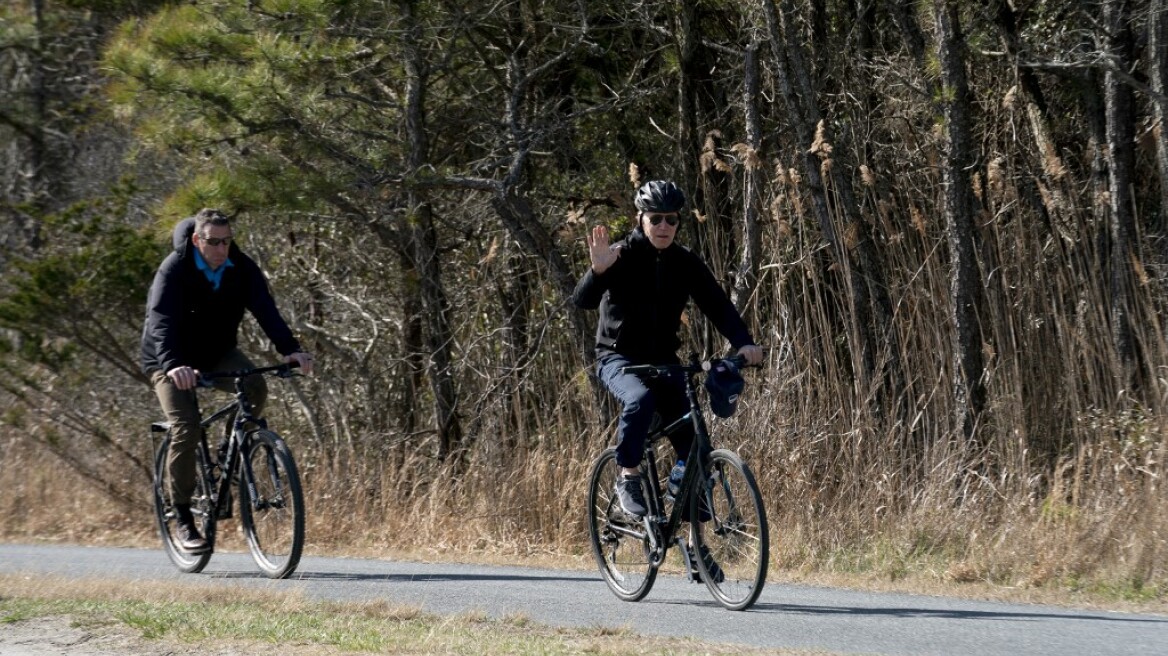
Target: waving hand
600, 250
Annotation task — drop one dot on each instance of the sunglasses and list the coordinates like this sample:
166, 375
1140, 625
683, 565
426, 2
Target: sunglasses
656, 219
216, 241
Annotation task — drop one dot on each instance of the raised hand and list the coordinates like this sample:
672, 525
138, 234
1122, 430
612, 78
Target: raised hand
600, 250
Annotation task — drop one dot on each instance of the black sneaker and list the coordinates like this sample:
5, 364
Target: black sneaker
631, 497
186, 535
704, 552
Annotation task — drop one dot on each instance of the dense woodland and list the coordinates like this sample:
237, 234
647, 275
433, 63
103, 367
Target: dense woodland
946, 221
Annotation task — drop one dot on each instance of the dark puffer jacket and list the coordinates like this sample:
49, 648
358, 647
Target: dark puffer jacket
190, 323
642, 296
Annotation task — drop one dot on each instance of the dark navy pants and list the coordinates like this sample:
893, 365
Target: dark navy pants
641, 398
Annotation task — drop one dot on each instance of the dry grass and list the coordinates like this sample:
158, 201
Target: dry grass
987, 549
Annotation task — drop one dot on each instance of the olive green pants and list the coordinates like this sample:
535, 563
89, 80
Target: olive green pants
181, 408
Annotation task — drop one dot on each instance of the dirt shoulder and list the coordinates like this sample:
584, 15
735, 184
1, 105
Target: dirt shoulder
42, 636
59, 634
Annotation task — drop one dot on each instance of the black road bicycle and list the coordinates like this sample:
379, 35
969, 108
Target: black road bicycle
258, 462
719, 497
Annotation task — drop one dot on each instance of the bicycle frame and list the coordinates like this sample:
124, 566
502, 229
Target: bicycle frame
237, 441
235, 446
661, 529
243, 409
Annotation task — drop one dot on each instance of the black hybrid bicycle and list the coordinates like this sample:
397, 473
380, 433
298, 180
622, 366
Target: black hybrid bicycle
719, 497
258, 462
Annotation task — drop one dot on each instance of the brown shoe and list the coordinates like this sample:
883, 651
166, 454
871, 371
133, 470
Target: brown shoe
186, 535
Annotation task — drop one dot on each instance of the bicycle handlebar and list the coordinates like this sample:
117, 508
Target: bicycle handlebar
691, 368
282, 370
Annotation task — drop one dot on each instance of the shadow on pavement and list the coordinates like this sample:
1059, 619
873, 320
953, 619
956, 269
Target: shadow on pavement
404, 578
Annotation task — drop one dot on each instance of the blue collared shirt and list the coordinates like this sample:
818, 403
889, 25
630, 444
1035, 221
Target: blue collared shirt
214, 275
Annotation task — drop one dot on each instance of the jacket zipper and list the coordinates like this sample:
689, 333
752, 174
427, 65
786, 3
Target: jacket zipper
657, 300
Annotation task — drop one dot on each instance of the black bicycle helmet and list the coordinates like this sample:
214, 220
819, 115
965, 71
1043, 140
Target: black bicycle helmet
659, 196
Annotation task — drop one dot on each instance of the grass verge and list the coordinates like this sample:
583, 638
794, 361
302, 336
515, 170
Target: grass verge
155, 617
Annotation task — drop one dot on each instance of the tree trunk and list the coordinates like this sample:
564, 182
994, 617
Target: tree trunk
30, 182
746, 280
1158, 47
687, 140
966, 291
1050, 158
1119, 45
704, 177
904, 14
516, 295
413, 362
1095, 113
423, 249
439, 337
38, 153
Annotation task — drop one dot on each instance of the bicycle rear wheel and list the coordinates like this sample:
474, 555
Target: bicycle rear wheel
164, 512
273, 513
734, 532
619, 542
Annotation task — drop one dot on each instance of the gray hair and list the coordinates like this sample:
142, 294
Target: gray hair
210, 216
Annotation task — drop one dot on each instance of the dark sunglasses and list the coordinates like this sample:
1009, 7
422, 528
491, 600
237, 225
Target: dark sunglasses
671, 219
216, 241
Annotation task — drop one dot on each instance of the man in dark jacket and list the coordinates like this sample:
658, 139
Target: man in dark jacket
642, 285
193, 312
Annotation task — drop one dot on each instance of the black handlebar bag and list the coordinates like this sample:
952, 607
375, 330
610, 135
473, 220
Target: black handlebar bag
724, 383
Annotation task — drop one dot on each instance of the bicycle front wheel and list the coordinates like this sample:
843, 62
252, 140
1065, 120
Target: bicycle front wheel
272, 513
619, 542
732, 534
164, 512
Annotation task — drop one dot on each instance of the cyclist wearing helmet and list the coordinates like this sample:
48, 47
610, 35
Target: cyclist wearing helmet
641, 285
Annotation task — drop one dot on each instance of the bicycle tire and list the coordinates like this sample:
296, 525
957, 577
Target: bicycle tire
165, 515
623, 559
272, 517
735, 531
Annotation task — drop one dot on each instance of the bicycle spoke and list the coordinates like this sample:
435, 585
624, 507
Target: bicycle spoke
166, 517
735, 533
619, 545
273, 516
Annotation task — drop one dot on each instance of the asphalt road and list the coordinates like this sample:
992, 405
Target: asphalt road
804, 617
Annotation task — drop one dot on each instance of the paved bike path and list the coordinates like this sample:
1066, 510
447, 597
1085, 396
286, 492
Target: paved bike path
804, 617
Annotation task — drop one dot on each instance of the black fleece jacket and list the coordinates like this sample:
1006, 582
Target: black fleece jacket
642, 296
190, 323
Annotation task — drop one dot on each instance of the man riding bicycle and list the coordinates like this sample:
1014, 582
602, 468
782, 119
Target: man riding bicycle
641, 285
193, 312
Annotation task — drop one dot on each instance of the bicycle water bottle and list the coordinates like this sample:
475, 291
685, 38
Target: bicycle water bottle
675, 476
